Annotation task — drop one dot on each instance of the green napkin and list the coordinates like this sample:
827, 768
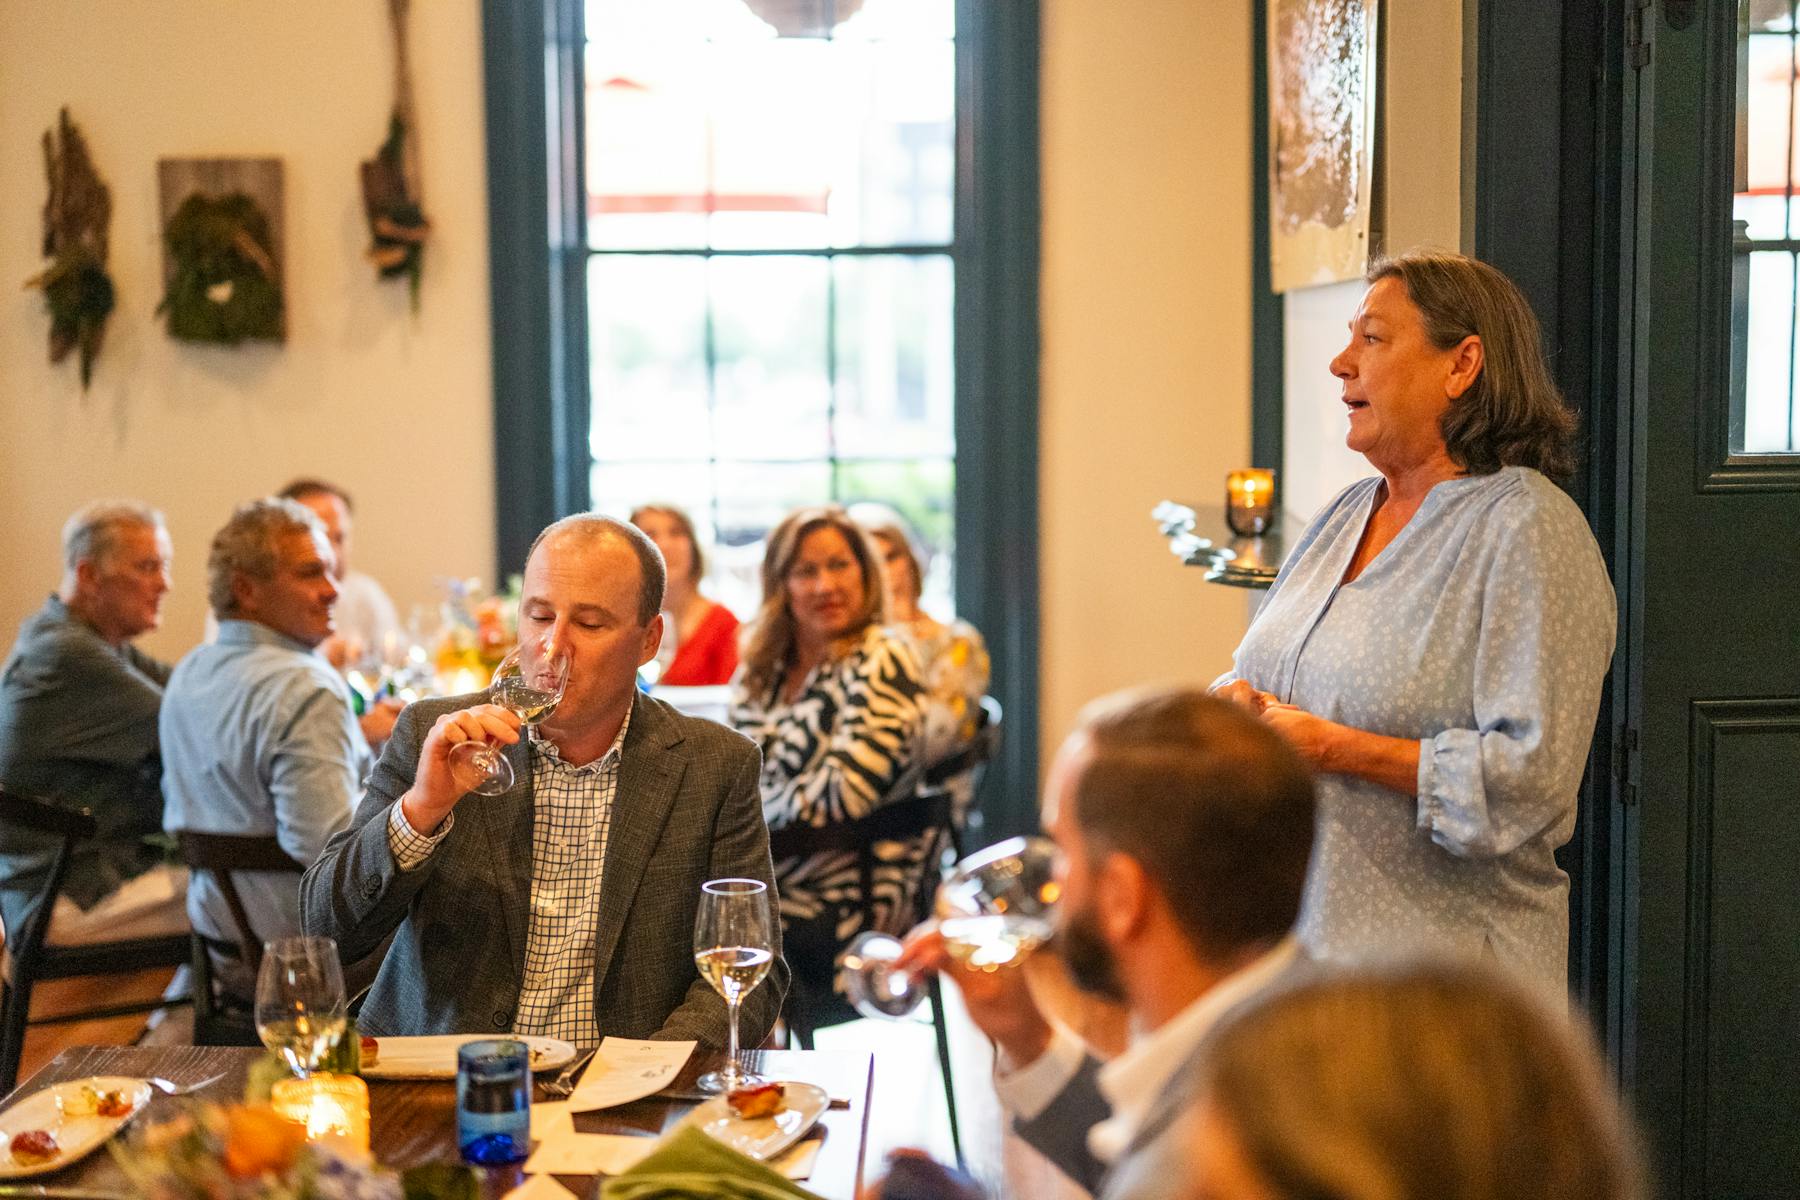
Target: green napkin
690, 1164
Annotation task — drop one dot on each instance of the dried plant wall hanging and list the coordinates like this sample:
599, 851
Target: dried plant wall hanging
222, 220
77, 290
391, 180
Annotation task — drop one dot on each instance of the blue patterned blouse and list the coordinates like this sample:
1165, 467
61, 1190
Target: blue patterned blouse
1484, 630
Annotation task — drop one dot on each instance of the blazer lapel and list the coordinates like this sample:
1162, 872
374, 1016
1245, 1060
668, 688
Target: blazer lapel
649, 777
505, 825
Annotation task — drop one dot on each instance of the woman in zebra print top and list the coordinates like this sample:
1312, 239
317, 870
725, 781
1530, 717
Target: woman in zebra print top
836, 702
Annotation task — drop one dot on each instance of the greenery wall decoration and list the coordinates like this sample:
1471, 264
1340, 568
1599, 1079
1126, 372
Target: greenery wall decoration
390, 180
77, 290
222, 258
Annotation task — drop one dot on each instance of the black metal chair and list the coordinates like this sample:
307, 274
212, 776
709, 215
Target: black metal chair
924, 815
28, 960
972, 758
221, 1017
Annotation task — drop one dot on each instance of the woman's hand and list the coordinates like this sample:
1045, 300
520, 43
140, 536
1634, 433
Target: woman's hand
1239, 691
1311, 737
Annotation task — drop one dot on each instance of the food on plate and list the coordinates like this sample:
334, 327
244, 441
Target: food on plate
31, 1147
371, 1051
90, 1101
764, 1100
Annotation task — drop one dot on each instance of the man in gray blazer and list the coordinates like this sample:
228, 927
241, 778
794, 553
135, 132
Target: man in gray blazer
1186, 825
565, 906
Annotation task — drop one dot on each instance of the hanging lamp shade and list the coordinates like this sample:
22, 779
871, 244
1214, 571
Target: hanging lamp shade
804, 18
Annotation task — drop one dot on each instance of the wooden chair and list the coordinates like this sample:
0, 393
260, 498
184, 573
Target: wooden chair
28, 961
926, 814
217, 1021
973, 758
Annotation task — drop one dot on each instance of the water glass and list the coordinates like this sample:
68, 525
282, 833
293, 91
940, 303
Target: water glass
493, 1102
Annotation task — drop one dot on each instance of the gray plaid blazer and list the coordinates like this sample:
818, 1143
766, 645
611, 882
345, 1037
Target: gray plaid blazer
687, 810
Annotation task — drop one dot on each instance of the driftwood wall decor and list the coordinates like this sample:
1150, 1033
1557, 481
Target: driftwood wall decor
222, 239
390, 180
77, 290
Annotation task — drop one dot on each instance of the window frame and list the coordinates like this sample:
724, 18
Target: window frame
538, 254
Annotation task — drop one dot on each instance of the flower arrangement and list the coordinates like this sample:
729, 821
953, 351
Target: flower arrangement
478, 632
248, 1152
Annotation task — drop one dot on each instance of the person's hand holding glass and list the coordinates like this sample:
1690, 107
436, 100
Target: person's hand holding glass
734, 947
530, 683
300, 1008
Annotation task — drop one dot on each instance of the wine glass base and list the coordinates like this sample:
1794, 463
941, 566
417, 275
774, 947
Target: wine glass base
714, 1083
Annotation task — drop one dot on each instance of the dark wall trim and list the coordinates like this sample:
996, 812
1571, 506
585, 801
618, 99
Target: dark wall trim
537, 229
1268, 335
997, 220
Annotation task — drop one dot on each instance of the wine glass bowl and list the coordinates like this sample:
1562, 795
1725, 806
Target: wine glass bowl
529, 682
994, 908
300, 1007
734, 947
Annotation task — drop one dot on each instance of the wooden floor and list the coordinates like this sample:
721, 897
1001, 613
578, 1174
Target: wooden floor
908, 1109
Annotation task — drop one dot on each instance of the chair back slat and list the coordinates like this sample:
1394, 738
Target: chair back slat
925, 812
220, 854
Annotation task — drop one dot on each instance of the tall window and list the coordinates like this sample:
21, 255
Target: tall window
770, 189
1765, 416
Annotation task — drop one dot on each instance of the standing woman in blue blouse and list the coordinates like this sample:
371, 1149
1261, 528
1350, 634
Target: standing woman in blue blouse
835, 700
1436, 642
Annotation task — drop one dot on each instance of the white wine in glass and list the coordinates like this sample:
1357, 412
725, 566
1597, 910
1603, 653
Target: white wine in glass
734, 947
530, 681
300, 1007
993, 909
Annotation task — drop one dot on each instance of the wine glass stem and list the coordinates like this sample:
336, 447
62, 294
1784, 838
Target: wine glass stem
731, 1054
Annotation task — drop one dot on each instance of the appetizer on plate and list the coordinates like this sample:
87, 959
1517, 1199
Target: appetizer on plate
33, 1146
764, 1100
371, 1051
90, 1101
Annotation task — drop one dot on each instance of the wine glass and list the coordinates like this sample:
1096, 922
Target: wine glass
530, 681
300, 1010
994, 908
734, 946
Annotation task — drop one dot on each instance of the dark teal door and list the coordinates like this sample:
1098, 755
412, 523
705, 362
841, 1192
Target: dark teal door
1707, 682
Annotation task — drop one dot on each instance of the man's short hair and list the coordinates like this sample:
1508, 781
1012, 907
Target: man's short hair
653, 574
246, 546
302, 488
92, 533
1212, 802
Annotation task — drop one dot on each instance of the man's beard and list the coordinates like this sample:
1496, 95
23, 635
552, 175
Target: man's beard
1090, 960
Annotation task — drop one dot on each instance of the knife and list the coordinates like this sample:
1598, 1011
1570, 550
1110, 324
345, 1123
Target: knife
39, 1191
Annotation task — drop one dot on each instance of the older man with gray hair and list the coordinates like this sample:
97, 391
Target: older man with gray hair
257, 730
78, 707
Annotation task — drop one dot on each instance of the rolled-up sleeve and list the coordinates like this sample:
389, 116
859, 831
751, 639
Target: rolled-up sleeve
1547, 628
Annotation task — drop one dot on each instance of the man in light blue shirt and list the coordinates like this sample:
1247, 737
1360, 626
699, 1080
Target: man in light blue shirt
258, 735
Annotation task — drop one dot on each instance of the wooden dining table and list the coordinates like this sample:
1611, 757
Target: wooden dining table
413, 1122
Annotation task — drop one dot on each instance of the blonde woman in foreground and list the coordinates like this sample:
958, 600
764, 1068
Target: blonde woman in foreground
1424, 1082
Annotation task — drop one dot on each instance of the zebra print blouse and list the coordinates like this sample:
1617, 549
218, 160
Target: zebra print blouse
852, 741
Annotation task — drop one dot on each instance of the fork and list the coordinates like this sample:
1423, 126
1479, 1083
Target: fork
170, 1088
563, 1085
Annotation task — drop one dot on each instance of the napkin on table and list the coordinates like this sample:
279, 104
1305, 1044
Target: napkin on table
689, 1163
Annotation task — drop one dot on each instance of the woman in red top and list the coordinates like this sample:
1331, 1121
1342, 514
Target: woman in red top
706, 649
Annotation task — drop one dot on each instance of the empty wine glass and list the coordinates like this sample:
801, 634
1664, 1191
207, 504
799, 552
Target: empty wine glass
530, 681
734, 946
300, 1010
994, 908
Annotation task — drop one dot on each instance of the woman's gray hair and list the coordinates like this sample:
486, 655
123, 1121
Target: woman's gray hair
246, 546
1512, 415
92, 533
890, 527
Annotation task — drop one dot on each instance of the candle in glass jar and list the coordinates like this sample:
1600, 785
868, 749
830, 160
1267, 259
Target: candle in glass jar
1250, 501
333, 1108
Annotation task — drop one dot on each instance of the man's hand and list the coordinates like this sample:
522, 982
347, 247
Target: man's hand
1239, 691
439, 783
999, 1002
378, 723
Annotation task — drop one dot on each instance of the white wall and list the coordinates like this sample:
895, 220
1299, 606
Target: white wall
395, 407
1420, 173
1146, 334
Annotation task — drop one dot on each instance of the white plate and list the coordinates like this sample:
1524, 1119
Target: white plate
763, 1137
435, 1057
76, 1137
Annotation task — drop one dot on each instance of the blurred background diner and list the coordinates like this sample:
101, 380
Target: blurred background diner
1016, 273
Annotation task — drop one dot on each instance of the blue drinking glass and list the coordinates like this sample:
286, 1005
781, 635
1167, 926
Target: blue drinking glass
493, 1102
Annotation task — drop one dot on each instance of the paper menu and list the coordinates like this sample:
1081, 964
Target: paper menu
625, 1069
589, 1154
540, 1187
